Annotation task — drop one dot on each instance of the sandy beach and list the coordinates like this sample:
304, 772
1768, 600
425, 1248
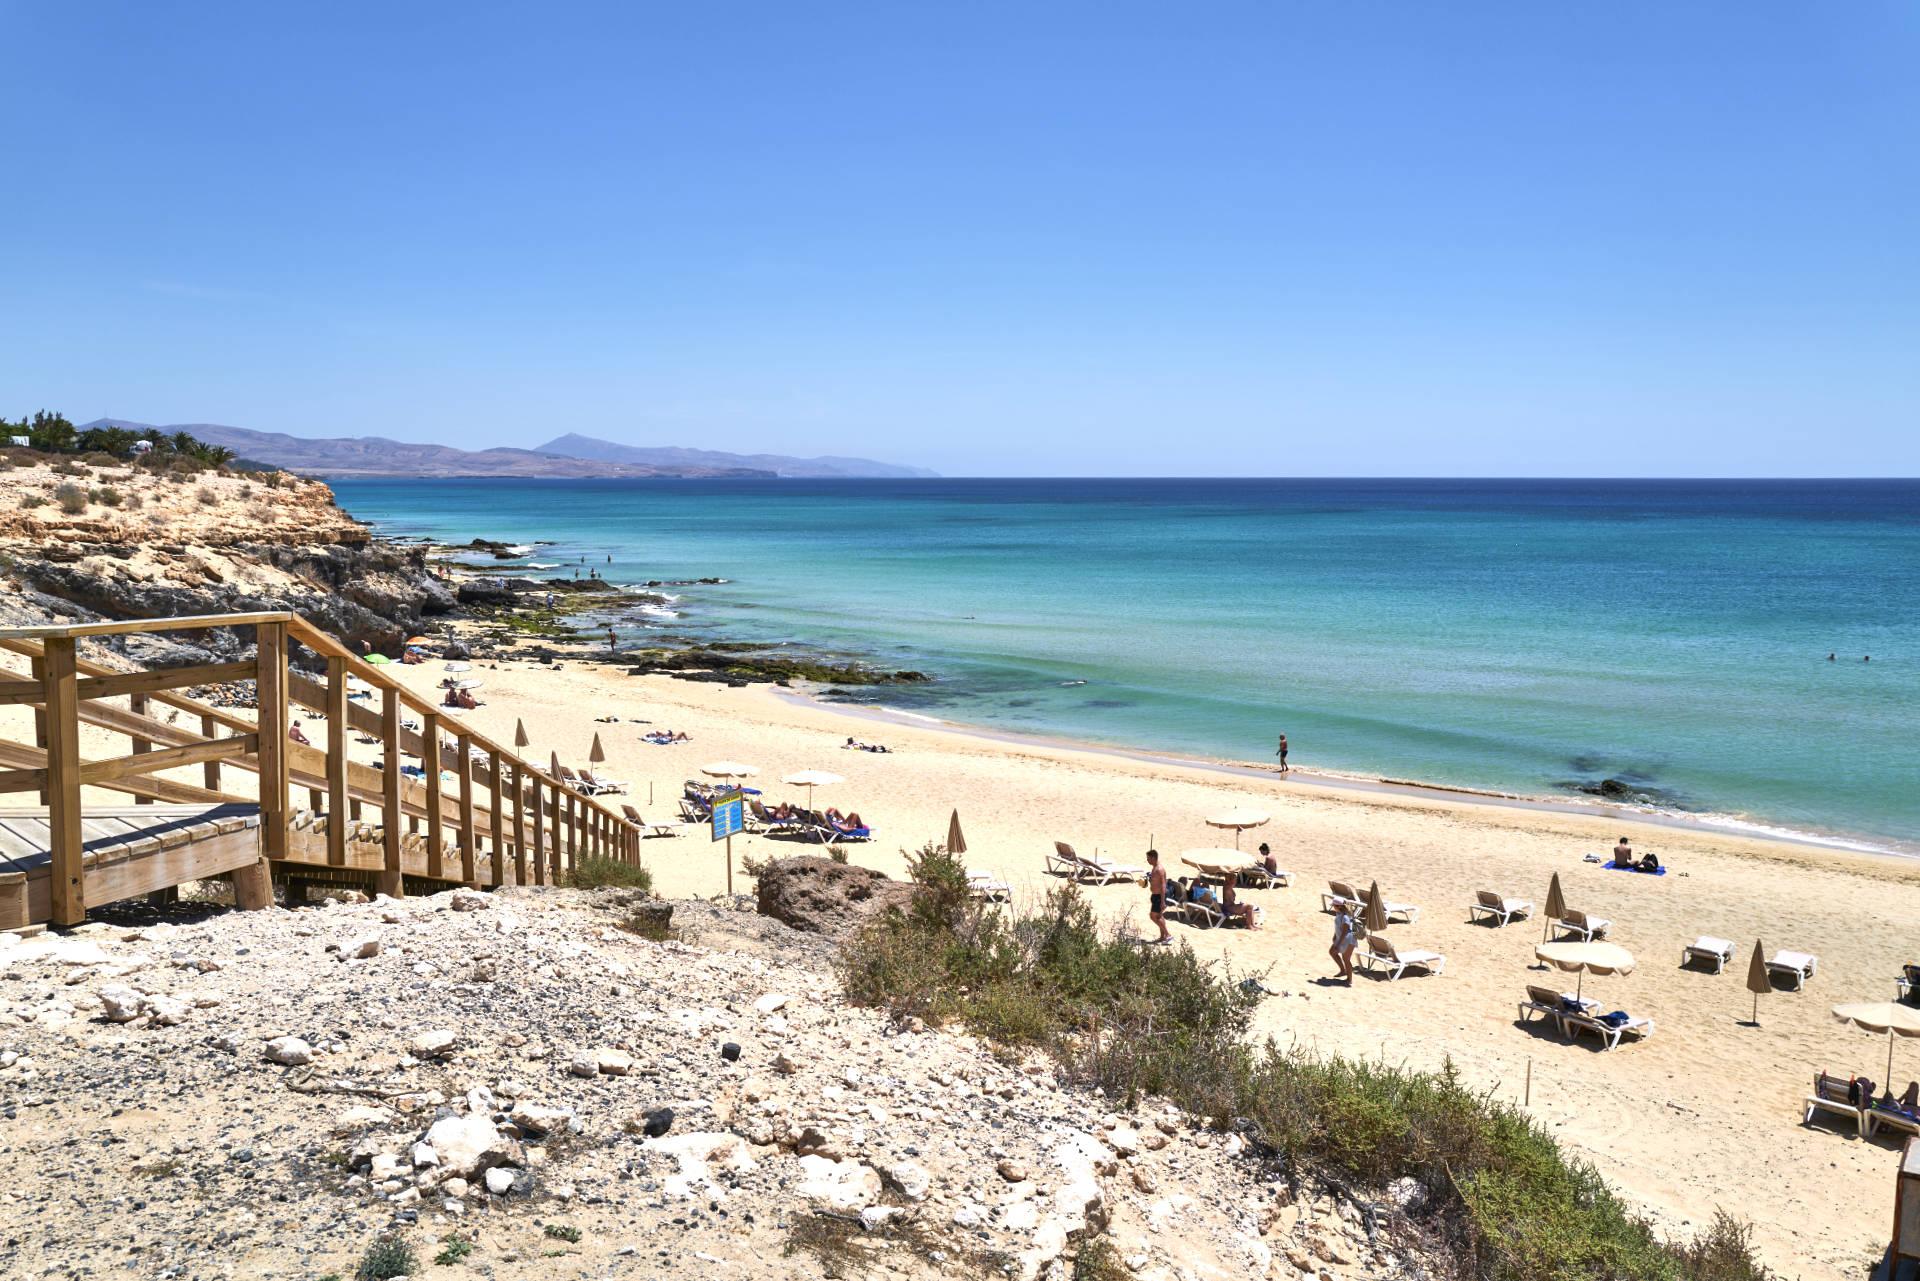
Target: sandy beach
1705, 1114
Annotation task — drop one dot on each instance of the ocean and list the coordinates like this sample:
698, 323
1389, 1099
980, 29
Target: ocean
1533, 637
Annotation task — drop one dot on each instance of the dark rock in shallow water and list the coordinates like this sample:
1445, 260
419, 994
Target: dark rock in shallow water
1614, 789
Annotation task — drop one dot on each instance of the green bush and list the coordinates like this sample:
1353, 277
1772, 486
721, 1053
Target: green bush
1139, 1020
206, 495
72, 499
108, 496
31, 501
388, 1257
595, 871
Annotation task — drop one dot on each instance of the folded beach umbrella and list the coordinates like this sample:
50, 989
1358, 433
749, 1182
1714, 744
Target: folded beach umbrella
598, 753
553, 765
1759, 982
956, 840
1237, 819
1375, 914
520, 738
1585, 958
1882, 1016
1556, 907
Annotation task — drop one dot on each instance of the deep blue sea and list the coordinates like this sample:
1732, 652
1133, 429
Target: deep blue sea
1523, 636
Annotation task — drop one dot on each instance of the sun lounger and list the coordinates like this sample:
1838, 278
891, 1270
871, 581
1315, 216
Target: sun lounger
1797, 967
1608, 1033
1486, 904
1261, 878
1907, 985
1381, 952
651, 829
1890, 1115
759, 816
1581, 926
831, 830
1406, 912
1709, 950
983, 885
1101, 871
1834, 1094
1555, 1005
1063, 861
1201, 912
695, 812
1339, 894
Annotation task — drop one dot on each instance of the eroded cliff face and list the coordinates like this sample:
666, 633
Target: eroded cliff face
126, 543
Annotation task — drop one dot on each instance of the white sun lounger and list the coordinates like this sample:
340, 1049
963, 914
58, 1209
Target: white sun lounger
1203, 914
1830, 1095
1581, 926
1797, 966
984, 885
1715, 952
1063, 861
1490, 906
1101, 871
1380, 952
651, 829
1339, 894
1608, 1034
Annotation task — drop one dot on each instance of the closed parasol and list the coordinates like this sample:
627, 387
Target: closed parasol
1237, 819
956, 840
1586, 958
1759, 982
596, 754
520, 738
1882, 1016
1375, 912
1556, 906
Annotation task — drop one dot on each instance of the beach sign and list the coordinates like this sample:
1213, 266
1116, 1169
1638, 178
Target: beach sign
729, 817
729, 814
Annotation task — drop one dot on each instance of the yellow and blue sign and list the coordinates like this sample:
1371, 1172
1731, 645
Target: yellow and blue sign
729, 814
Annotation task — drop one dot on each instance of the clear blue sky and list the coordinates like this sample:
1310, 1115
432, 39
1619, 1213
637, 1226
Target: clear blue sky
1275, 238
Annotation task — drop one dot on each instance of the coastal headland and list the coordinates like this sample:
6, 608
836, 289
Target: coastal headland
1702, 1116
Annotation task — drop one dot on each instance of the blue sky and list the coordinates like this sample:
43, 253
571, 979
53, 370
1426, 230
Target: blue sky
993, 239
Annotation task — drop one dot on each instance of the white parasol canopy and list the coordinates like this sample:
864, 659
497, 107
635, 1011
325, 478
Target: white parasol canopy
1586, 958
1882, 1016
729, 769
1239, 820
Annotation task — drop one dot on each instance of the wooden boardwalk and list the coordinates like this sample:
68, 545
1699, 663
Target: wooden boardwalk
126, 850
480, 814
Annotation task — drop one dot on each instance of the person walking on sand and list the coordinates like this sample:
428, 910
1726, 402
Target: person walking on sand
1282, 753
1344, 941
1157, 896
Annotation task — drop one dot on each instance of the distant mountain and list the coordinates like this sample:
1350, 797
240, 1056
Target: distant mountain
377, 456
576, 446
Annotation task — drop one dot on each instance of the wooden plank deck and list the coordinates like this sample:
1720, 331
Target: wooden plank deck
126, 850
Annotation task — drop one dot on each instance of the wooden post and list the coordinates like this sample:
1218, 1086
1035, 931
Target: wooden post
539, 827
469, 834
430, 759
270, 698
389, 881
38, 668
339, 811
573, 832
519, 819
137, 704
210, 772
63, 781
554, 851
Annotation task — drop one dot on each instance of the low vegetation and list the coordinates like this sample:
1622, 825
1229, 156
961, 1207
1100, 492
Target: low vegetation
595, 871
71, 498
389, 1257
1137, 1021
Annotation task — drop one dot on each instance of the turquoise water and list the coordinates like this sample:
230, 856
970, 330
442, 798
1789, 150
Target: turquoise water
1526, 636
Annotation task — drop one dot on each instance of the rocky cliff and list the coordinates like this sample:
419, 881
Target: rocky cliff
83, 541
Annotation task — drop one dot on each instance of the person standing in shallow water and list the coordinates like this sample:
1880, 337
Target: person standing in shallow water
1282, 753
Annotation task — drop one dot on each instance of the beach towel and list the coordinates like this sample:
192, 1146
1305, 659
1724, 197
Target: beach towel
1619, 1018
1643, 871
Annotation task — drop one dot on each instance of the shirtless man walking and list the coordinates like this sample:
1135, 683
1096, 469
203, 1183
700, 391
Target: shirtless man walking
1157, 902
1282, 753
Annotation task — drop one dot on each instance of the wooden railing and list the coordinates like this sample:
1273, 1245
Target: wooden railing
528, 817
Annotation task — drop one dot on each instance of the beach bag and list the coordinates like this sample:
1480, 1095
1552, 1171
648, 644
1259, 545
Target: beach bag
1619, 1018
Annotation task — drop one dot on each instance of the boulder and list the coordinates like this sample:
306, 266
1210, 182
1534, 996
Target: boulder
121, 1004
820, 896
839, 1185
468, 1145
290, 1050
539, 1117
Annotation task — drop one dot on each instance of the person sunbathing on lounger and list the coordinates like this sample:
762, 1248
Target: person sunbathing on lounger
844, 820
1231, 905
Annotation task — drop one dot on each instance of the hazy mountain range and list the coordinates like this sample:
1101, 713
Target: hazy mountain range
569, 456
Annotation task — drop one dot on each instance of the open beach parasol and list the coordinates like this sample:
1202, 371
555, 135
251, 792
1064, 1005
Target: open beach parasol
1759, 982
1882, 1016
378, 660
810, 779
1375, 912
729, 770
1237, 819
1585, 958
596, 754
956, 840
419, 640
1556, 907
1214, 860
